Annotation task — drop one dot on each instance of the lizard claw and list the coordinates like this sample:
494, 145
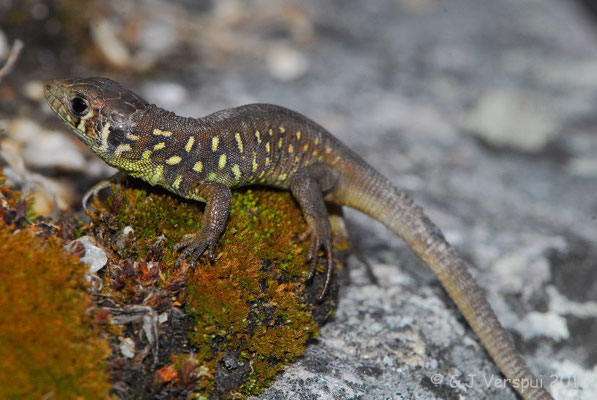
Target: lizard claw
313, 256
94, 191
194, 246
117, 178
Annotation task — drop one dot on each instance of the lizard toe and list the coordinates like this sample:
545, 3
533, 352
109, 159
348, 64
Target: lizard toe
329, 270
194, 246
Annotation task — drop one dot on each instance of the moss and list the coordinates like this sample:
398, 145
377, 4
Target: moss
247, 315
13, 207
49, 345
249, 307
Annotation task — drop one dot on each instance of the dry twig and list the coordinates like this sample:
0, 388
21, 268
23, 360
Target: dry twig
17, 46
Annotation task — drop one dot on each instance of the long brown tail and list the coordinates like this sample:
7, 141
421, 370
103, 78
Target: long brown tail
374, 195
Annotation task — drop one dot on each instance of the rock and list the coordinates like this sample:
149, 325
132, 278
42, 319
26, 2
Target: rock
34, 90
105, 37
127, 347
513, 119
24, 130
168, 94
49, 194
4, 46
54, 150
583, 167
285, 63
44, 148
551, 325
94, 256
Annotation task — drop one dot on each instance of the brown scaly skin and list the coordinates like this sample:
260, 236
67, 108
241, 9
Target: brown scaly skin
202, 158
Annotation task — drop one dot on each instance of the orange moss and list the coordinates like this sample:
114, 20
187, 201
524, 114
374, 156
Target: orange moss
48, 346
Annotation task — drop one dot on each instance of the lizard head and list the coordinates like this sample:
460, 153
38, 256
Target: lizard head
99, 111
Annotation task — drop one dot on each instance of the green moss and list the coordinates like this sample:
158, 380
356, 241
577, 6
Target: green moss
48, 343
249, 303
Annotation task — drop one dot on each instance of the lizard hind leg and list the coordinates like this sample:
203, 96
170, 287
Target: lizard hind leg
307, 186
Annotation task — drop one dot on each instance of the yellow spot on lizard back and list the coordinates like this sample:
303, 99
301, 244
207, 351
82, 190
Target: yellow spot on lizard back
282, 177
267, 149
214, 143
222, 161
298, 135
306, 147
255, 165
239, 142
146, 154
159, 146
267, 161
258, 136
328, 150
176, 183
271, 132
236, 171
282, 129
190, 144
173, 160
198, 167
290, 149
159, 132
280, 143
317, 140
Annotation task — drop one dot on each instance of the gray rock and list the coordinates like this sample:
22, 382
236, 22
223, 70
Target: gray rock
512, 119
53, 150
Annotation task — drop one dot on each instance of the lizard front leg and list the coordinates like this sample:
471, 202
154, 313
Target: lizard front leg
307, 187
217, 198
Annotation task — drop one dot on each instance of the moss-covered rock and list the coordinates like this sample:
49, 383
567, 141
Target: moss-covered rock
224, 329
247, 315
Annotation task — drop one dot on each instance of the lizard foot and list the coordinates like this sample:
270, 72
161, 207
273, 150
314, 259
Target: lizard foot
317, 241
117, 178
194, 246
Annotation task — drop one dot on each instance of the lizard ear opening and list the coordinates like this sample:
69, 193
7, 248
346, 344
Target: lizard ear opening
116, 137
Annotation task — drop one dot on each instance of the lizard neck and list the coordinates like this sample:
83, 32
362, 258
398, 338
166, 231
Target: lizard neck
156, 119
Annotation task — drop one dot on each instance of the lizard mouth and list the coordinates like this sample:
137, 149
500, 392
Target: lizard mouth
55, 94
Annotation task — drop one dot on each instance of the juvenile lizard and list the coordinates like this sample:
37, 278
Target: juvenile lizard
203, 158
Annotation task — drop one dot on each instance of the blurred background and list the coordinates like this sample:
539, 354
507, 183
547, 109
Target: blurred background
484, 110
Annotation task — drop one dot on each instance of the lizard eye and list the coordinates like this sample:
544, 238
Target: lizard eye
79, 106
116, 137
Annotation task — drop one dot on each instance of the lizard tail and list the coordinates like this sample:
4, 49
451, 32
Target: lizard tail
373, 194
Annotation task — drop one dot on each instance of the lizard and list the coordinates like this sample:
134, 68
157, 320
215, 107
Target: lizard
263, 144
